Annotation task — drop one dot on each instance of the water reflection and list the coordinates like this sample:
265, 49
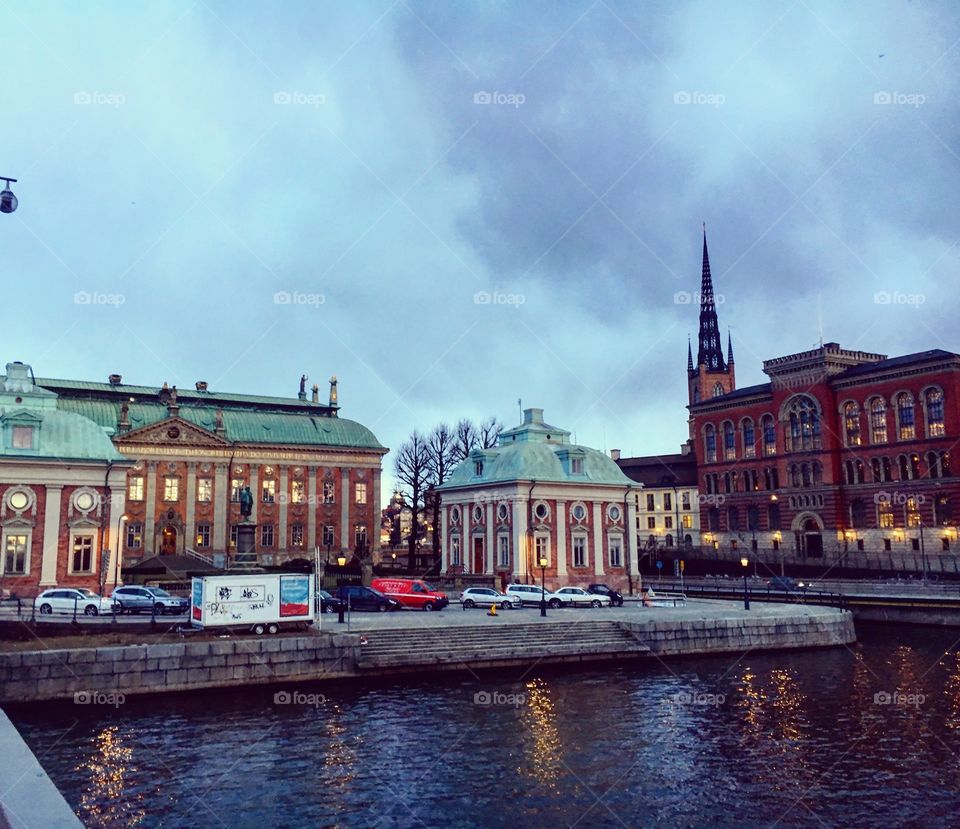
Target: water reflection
107, 799
543, 746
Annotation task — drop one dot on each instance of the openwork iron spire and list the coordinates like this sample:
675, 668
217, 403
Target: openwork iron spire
710, 353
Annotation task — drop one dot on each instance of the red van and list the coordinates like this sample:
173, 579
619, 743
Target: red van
412, 593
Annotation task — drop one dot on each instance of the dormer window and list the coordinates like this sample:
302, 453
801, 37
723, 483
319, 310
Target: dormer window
22, 437
576, 466
478, 468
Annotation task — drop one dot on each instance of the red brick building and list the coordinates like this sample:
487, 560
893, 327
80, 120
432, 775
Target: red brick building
842, 455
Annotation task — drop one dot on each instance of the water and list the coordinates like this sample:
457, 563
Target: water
786, 740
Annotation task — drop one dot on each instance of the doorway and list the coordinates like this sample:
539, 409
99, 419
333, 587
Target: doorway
478, 554
812, 540
168, 541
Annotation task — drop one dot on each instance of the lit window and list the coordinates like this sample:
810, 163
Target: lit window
710, 440
749, 439
15, 555
203, 535
134, 536
906, 426
296, 535
82, 558
171, 489
328, 492
687, 521
297, 493
360, 493
851, 421
729, 442
268, 491
22, 437
135, 488
360, 535
885, 515
913, 512
769, 435
878, 421
803, 428
934, 399
236, 487
205, 490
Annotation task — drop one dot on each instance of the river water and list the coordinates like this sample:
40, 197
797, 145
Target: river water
866, 736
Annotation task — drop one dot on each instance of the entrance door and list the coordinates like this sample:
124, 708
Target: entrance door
168, 541
813, 541
478, 555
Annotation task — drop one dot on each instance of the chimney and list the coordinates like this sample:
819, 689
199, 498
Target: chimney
115, 379
533, 415
316, 393
202, 385
333, 390
615, 454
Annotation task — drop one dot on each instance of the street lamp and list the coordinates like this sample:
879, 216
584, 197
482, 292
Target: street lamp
543, 585
394, 557
341, 563
116, 565
8, 201
745, 563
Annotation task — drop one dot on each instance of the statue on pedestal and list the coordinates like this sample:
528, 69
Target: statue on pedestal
246, 503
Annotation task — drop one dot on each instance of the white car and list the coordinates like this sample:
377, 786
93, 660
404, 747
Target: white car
530, 594
65, 599
577, 596
486, 596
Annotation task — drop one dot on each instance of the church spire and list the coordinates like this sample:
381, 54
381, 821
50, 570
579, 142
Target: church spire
689, 356
710, 352
729, 348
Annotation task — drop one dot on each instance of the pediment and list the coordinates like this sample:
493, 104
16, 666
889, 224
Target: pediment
172, 431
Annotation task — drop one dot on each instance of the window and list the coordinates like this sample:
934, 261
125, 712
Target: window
710, 441
713, 519
753, 518
749, 439
885, 515
576, 466
134, 536
171, 489
803, 424
687, 521
668, 522
913, 512
915, 543
877, 470
456, 558
541, 545
878, 421
858, 514
204, 490
934, 406
203, 535
82, 558
906, 428
769, 435
266, 535
328, 492
773, 516
729, 442
718, 390
327, 535
886, 544
135, 488
297, 492
943, 514
359, 536
296, 535
733, 519
685, 500
651, 522
360, 493
579, 551
234, 534
236, 487
667, 501
22, 437
616, 552
651, 503
503, 550
478, 468
15, 555
851, 423
268, 491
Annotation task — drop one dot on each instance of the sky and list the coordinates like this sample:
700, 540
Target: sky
457, 206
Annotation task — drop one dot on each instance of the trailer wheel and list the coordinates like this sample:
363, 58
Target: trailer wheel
272, 629
258, 629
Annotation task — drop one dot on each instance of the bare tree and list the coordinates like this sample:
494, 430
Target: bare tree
412, 467
489, 432
441, 450
465, 440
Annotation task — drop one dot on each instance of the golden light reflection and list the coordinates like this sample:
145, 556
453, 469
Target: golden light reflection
107, 800
544, 748
340, 758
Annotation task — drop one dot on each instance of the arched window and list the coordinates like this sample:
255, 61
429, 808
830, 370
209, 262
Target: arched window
668, 540
773, 516
848, 472
933, 399
878, 421
858, 471
943, 514
805, 479
718, 390
913, 512
733, 519
887, 469
769, 427
794, 475
915, 473
688, 541
748, 437
877, 470
710, 443
858, 514
727, 483
753, 518
729, 442
945, 465
906, 424
817, 469
933, 465
851, 423
885, 519
904, 468
803, 424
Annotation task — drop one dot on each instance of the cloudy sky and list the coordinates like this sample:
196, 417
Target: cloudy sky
455, 205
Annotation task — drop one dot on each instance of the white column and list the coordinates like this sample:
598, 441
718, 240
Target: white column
520, 538
597, 539
346, 538
51, 536
561, 539
190, 529
488, 544
221, 497
444, 540
118, 505
630, 536
283, 542
312, 505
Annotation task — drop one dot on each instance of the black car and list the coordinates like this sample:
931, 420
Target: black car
365, 598
616, 599
328, 603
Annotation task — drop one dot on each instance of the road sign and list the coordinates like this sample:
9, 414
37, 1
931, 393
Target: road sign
659, 565
682, 565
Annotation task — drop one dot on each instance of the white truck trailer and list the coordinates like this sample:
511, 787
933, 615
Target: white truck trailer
259, 602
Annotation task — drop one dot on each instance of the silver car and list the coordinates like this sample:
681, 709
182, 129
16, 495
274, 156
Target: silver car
530, 595
577, 596
134, 598
63, 600
487, 596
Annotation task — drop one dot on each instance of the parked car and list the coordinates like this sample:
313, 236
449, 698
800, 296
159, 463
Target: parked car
135, 598
784, 583
365, 598
530, 594
616, 598
578, 597
328, 603
64, 600
412, 593
487, 596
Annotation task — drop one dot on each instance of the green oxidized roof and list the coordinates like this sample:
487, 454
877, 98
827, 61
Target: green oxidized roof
536, 451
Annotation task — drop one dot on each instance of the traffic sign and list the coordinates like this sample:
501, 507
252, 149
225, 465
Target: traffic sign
682, 565
659, 565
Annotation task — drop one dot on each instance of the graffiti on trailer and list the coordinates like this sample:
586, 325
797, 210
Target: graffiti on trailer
217, 609
249, 593
224, 593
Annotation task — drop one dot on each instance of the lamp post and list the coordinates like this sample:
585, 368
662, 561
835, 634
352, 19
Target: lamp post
393, 555
341, 563
8, 201
543, 585
116, 565
745, 563
923, 554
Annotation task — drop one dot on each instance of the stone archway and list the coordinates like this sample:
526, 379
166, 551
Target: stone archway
808, 530
168, 540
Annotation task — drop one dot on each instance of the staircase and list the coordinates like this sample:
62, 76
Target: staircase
489, 645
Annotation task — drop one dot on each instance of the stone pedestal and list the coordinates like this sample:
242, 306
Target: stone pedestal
246, 546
